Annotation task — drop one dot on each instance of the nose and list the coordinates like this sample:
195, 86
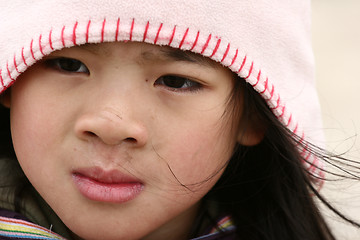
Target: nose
110, 127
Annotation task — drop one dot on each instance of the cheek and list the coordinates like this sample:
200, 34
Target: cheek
28, 141
35, 130
198, 150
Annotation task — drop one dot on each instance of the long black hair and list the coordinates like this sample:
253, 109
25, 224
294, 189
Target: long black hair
266, 188
6, 147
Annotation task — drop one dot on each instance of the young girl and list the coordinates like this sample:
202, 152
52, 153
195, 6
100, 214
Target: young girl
158, 120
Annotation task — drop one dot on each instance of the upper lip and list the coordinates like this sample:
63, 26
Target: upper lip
106, 176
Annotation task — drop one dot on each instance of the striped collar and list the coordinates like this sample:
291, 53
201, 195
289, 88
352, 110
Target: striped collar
224, 229
18, 229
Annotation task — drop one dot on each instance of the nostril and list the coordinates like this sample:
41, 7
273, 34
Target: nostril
131, 140
89, 134
92, 135
104, 127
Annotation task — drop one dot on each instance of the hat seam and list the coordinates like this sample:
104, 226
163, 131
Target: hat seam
246, 69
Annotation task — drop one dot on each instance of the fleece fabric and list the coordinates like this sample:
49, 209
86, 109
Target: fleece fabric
266, 42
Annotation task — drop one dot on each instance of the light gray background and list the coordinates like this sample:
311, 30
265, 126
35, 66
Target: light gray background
336, 42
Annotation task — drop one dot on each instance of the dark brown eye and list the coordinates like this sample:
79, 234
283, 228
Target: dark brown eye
178, 83
68, 65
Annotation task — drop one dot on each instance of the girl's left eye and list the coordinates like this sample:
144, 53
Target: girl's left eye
178, 83
69, 65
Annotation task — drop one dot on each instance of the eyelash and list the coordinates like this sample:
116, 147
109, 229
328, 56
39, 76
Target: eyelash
178, 84
67, 65
173, 83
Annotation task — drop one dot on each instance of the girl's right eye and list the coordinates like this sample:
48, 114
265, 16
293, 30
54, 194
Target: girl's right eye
68, 65
178, 84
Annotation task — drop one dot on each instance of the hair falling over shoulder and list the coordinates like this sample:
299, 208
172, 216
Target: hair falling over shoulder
6, 147
266, 188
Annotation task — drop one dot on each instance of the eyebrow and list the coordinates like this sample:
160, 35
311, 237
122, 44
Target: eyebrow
186, 56
94, 50
163, 54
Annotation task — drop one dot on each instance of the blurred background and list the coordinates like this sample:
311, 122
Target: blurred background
336, 42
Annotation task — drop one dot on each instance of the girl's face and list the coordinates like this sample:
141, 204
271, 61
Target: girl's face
123, 139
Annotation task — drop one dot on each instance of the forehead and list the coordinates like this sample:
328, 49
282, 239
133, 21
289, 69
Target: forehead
149, 52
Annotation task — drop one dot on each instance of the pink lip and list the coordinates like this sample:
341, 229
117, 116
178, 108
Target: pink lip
106, 186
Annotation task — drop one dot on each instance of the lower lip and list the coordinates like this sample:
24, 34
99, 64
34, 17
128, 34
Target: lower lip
107, 192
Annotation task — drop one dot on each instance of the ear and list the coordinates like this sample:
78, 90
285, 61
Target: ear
5, 98
252, 135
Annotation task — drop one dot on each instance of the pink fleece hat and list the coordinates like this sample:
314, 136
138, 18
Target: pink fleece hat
265, 42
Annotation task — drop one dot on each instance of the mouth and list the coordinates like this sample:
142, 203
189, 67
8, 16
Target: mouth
106, 186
